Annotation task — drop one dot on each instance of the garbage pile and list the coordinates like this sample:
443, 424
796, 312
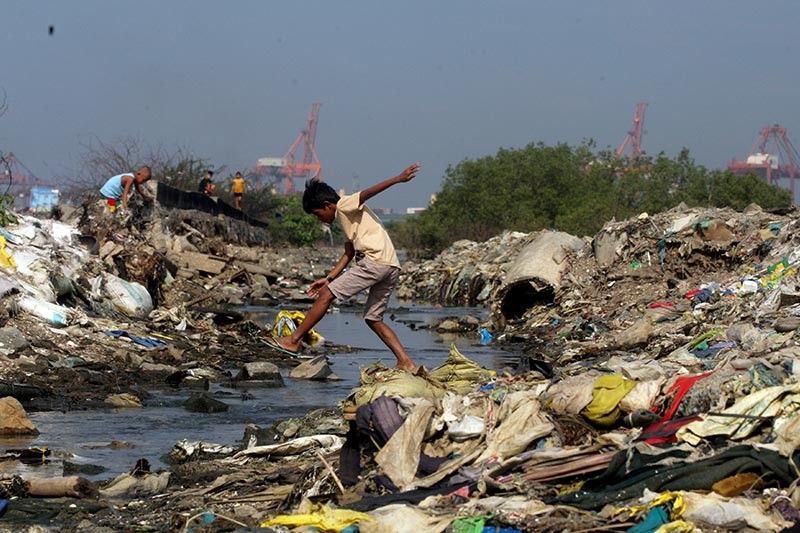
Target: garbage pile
657, 389
97, 304
618, 443
655, 386
697, 260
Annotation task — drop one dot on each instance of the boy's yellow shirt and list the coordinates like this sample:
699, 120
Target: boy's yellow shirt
364, 229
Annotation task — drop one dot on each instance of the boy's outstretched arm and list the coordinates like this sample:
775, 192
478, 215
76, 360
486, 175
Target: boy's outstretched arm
407, 175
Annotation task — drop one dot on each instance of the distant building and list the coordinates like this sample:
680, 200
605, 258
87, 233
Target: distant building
415, 210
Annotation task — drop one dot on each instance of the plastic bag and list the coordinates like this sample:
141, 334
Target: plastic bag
6, 261
287, 321
128, 297
459, 373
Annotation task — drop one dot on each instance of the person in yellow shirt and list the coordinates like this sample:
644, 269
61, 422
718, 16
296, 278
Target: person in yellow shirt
237, 188
376, 268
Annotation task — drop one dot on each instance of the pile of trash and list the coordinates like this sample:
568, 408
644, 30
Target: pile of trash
618, 443
465, 274
697, 260
656, 384
96, 304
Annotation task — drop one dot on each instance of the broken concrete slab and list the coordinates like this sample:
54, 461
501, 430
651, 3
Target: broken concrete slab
12, 341
260, 373
317, 368
203, 262
203, 403
253, 268
123, 401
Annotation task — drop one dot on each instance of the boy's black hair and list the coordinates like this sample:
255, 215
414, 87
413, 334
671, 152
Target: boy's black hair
316, 194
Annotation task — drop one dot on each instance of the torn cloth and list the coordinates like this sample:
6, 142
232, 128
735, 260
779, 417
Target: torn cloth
631, 472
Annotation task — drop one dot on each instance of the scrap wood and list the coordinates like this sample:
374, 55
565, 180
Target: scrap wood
539, 456
220, 483
584, 465
331, 472
273, 493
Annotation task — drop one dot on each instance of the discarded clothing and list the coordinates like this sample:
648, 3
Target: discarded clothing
607, 392
657, 517
399, 458
375, 423
678, 390
631, 472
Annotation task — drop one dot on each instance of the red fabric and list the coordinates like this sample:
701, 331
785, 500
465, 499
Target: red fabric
661, 303
663, 432
680, 387
692, 293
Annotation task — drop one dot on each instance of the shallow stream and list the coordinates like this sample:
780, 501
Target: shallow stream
82, 436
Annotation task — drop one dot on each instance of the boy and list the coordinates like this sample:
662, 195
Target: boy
237, 188
377, 271
207, 186
119, 187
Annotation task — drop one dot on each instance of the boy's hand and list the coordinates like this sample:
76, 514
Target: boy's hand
314, 288
409, 173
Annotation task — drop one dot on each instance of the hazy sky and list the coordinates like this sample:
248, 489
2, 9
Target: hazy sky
434, 81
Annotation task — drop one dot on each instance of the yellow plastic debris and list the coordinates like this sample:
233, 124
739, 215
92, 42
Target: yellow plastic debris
322, 517
459, 373
678, 526
6, 261
607, 392
287, 321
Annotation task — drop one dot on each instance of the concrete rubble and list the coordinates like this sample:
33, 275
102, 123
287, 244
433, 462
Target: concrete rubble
655, 385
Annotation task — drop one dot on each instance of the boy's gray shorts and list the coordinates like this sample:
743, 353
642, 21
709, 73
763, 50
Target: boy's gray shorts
367, 274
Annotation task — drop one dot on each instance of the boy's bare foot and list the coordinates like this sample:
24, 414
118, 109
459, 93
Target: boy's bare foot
287, 343
406, 365
282, 344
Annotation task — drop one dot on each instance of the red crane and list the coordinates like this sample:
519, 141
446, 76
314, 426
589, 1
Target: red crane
10, 173
289, 167
779, 164
634, 136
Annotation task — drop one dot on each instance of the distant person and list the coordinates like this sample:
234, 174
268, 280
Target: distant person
118, 187
207, 186
377, 267
237, 188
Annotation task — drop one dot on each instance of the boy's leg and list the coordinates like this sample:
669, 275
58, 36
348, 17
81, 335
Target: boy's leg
377, 301
314, 315
390, 339
353, 281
